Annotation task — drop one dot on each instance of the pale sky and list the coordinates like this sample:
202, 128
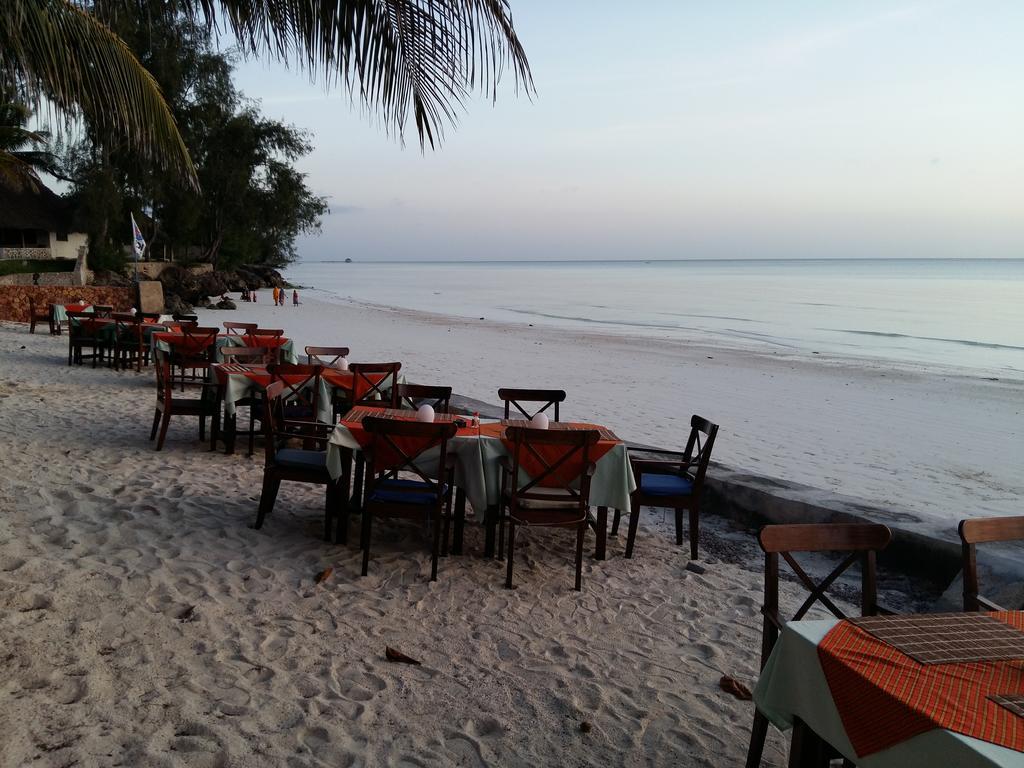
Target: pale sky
697, 130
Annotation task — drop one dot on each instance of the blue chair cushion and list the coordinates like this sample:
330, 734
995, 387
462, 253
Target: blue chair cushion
299, 459
665, 485
400, 491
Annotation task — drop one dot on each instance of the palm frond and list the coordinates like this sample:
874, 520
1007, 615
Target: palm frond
60, 52
399, 56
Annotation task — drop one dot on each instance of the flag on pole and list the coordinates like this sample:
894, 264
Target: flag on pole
138, 241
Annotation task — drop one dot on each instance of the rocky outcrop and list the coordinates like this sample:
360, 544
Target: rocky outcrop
194, 290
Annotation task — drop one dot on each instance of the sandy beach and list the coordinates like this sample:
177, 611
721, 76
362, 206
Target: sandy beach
932, 446
104, 543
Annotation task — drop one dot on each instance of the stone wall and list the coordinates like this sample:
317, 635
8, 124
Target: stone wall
25, 253
14, 298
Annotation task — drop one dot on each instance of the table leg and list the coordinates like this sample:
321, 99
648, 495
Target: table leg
807, 749
601, 531
230, 433
215, 427
460, 521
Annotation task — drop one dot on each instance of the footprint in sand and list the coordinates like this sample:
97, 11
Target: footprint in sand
8, 564
318, 742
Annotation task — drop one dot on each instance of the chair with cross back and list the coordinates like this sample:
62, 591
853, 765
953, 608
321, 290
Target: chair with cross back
855, 542
545, 482
417, 395
373, 385
398, 446
677, 483
984, 530
516, 398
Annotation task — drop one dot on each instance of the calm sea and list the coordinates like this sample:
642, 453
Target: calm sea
964, 313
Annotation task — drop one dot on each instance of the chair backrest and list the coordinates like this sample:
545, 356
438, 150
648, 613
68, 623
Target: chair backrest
186, 318
34, 311
301, 384
154, 316
862, 542
328, 357
102, 310
127, 327
548, 398
237, 329
395, 445
82, 324
375, 384
553, 465
275, 333
415, 395
983, 530
245, 355
698, 449
196, 349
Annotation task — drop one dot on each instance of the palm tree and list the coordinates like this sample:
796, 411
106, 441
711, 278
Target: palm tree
23, 152
397, 56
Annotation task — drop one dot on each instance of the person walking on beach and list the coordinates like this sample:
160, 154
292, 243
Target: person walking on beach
295, 298
277, 295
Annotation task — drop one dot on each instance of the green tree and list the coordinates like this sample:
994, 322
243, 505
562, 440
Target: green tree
398, 56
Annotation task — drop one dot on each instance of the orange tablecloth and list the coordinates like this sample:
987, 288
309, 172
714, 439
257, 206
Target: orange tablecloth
885, 697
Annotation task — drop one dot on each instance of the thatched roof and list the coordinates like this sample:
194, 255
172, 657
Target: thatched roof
27, 208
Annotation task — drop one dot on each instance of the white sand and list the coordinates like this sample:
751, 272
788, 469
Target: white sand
933, 446
104, 542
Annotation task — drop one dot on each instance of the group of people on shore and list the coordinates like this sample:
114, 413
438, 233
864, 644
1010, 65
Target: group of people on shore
280, 296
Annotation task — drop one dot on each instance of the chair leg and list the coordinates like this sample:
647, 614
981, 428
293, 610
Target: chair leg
615, 522
694, 531
758, 734
271, 485
357, 490
580, 532
501, 532
156, 423
679, 527
341, 536
367, 518
634, 521
329, 502
164, 423
435, 548
202, 428
511, 552
252, 430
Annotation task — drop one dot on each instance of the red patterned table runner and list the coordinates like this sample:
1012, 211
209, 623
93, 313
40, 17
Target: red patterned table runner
549, 455
885, 697
388, 457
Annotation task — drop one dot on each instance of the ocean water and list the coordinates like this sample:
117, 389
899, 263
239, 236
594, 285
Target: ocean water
933, 312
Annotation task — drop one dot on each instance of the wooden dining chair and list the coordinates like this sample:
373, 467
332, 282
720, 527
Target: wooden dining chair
38, 314
857, 542
395, 447
301, 395
104, 311
86, 332
299, 465
415, 395
232, 328
374, 385
193, 355
169, 403
328, 357
984, 530
677, 483
129, 343
252, 402
545, 482
274, 333
514, 398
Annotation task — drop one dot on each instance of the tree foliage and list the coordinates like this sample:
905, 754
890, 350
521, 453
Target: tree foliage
254, 203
